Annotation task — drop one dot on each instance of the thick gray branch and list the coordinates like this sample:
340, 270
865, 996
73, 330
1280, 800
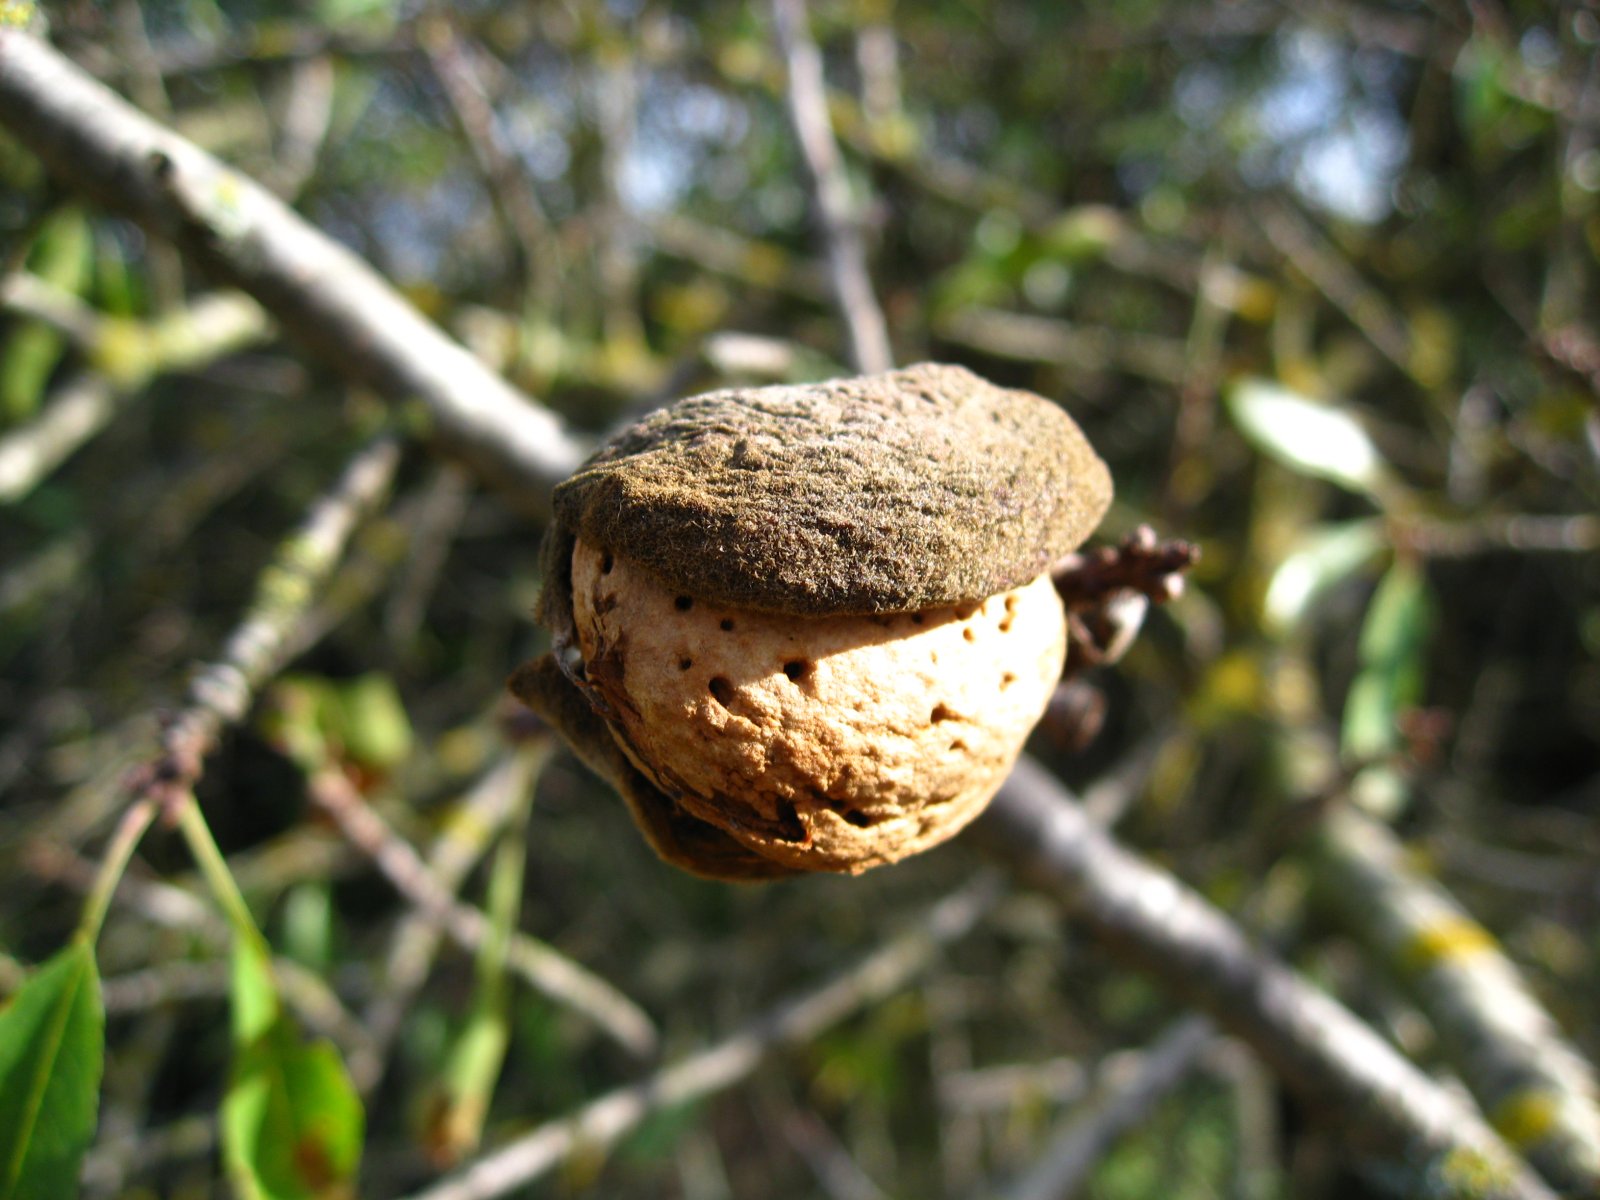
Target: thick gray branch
1507, 1048
1433, 1142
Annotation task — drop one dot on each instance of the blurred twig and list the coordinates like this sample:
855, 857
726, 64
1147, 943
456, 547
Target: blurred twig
469, 830
128, 356
1338, 281
1129, 1087
543, 968
513, 197
222, 691
602, 1122
1085, 348
830, 191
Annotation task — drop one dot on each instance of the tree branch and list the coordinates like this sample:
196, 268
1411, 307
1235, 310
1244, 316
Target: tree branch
1432, 1141
324, 295
830, 191
1507, 1048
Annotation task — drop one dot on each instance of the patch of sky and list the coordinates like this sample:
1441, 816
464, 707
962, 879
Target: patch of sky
1330, 126
681, 128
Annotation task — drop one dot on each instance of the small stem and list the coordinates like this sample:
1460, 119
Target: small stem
129, 830
215, 869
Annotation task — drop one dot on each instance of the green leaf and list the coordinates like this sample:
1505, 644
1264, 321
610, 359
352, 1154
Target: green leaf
62, 256
1312, 438
254, 995
1324, 556
52, 1046
373, 726
292, 1124
360, 721
456, 1114
308, 925
1393, 662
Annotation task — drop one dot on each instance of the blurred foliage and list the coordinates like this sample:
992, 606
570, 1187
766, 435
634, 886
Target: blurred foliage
1318, 279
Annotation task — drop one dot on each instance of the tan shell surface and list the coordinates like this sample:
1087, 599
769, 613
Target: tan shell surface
825, 743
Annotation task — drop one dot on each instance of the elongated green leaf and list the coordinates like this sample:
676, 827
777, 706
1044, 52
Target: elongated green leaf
1393, 661
1324, 556
62, 256
292, 1124
1310, 437
52, 1046
455, 1116
254, 995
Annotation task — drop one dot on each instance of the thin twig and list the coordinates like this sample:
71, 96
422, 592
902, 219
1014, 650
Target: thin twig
830, 191
1130, 1086
1090, 349
1387, 1109
602, 1122
1576, 533
27, 295
512, 196
1334, 277
222, 692
468, 831
210, 328
307, 115
538, 964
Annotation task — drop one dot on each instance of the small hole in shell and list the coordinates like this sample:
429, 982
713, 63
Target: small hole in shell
1007, 680
722, 691
958, 746
727, 624
685, 663
683, 603
790, 827
1005, 625
797, 669
859, 819
941, 712
606, 563
969, 635
917, 618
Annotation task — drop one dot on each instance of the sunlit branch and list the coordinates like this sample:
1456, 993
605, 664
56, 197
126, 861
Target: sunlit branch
830, 191
320, 292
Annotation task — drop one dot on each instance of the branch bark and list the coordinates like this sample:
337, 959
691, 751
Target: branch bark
1509, 1051
1424, 1138
329, 299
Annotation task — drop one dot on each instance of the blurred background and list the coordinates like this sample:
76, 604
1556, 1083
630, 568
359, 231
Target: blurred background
1317, 278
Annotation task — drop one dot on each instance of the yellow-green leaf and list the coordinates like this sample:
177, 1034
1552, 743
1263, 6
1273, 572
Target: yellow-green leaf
1323, 557
1310, 437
